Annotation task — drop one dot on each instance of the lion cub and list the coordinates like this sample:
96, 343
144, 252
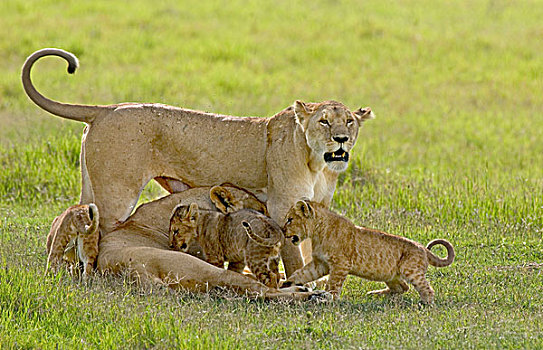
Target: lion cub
341, 248
79, 222
230, 237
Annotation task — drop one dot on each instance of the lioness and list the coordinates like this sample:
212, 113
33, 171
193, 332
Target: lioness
230, 238
79, 222
297, 153
140, 247
341, 248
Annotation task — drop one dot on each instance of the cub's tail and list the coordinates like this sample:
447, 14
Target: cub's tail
82, 113
436, 260
95, 218
266, 242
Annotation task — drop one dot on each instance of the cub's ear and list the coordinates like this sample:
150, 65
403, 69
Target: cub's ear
192, 214
301, 112
363, 114
305, 209
223, 199
178, 213
246, 226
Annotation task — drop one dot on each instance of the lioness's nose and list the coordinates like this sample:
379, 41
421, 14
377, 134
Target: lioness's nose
341, 138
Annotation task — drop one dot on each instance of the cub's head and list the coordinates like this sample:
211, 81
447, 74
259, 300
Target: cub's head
183, 226
299, 218
331, 130
229, 198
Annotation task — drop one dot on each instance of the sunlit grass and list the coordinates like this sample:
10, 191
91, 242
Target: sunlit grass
455, 152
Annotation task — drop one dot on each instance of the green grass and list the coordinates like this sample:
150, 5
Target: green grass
455, 153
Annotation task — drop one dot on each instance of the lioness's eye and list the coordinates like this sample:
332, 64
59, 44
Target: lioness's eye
324, 122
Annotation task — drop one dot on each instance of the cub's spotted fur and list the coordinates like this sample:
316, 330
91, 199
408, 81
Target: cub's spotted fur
79, 223
230, 237
341, 248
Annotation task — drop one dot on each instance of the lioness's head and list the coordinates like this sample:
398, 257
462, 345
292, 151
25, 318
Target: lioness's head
331, 130
183, 226
298, 220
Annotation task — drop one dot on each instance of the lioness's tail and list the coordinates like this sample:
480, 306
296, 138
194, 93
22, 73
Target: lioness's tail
436, 260
266, 242
95, 218
77, 112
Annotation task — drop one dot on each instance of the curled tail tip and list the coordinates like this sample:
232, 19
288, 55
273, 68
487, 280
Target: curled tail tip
93, 208
94, 216
73, 64
72, 68
437, 261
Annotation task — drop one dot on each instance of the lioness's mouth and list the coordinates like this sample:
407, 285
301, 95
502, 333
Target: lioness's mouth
338, 156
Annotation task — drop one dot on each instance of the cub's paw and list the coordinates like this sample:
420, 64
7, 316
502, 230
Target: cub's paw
321, 296
285, 284
295, 289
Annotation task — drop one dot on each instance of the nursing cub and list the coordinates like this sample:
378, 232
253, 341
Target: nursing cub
341, 248
230, 237
79, 223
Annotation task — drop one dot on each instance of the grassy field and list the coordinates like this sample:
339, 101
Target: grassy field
455, 152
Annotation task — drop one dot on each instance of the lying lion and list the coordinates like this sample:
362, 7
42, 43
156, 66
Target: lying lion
230, 238
297, 153
341, 248
140, 247
79, 223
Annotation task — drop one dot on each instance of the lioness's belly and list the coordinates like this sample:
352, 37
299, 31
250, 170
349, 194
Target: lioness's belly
198, 148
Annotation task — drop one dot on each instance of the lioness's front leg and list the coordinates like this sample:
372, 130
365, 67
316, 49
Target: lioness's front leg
290, 254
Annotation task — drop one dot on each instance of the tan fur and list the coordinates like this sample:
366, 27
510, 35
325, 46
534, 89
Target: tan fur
341, 248
140, 247
230, 238
282, 158
78, 223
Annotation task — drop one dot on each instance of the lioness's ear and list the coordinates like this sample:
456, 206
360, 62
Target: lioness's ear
363, 114
223, 199
305, 209
192, 214
301, 112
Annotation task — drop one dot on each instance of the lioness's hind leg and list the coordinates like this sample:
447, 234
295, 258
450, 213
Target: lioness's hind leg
116, 200
87, 195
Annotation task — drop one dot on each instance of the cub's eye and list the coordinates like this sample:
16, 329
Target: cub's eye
176, 232
350, 121
289, 221
324, 122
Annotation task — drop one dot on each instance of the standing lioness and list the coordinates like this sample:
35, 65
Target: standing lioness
295, 154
